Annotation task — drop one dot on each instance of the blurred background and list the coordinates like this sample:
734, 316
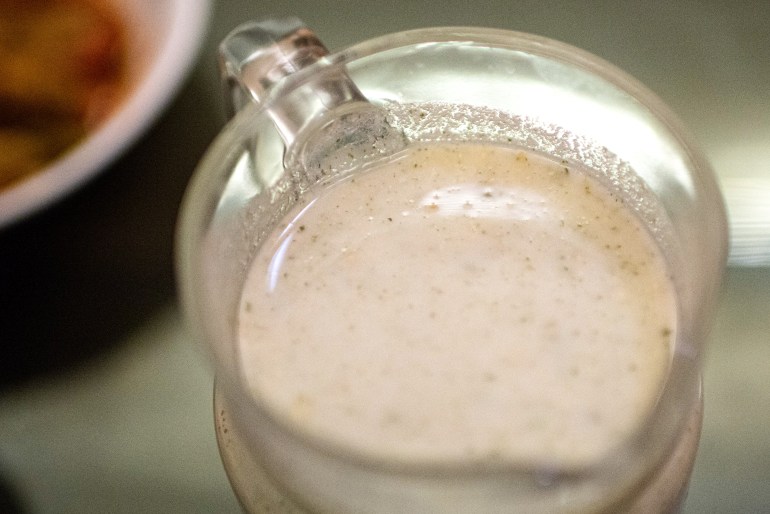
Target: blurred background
105, 403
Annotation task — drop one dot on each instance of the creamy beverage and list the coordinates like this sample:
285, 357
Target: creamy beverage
461, 302
450, 270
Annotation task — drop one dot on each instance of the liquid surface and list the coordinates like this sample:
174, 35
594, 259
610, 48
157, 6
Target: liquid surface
466, 302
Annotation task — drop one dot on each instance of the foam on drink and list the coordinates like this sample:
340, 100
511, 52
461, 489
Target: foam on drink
462, 302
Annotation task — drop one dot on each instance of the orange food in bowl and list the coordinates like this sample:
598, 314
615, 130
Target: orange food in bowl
62, 65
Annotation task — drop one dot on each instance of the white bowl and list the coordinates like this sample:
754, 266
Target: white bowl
164, 37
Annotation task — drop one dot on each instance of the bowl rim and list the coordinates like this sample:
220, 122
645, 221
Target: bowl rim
161, 81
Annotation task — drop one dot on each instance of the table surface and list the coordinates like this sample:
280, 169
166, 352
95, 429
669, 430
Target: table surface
105, 404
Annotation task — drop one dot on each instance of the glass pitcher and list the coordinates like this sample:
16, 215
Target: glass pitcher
296, 106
